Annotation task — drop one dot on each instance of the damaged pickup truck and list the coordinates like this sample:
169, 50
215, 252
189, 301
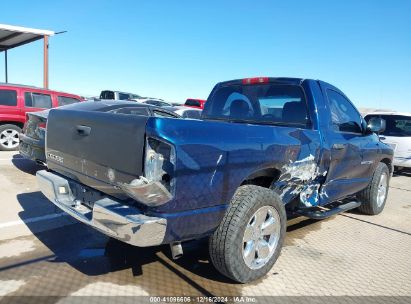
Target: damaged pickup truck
265, 149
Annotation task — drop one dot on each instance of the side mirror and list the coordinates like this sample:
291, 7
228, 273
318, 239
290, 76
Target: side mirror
376, 125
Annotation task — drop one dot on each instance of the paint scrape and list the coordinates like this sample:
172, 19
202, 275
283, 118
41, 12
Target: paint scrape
303, 170
302, 177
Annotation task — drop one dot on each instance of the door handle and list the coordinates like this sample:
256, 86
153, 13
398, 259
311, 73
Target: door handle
83, 130
338, 146
382, 137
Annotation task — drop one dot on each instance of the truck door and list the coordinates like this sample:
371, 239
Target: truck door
350, 161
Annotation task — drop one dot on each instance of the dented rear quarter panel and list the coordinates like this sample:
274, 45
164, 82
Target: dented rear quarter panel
212, 164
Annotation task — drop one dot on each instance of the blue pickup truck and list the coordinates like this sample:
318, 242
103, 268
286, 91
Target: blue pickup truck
264, 149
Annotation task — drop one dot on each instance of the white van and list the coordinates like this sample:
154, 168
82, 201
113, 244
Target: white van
397, 134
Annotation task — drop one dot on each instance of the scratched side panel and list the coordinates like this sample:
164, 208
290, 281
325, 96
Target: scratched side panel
214, 158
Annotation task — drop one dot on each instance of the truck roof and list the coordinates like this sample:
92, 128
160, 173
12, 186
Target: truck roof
255, 80
16, 85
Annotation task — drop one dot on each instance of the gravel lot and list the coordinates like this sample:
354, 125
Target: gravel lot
45, 253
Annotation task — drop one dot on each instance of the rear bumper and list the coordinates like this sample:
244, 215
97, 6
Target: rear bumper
32, 149
109, 216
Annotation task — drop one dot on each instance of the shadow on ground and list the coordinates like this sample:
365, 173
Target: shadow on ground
26, 165
403, 172
94, 254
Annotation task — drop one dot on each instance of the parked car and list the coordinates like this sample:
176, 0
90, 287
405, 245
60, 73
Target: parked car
32, 139
195, 103
397, 134
17, 100
156, 102
265, 148
118, 95
186, 112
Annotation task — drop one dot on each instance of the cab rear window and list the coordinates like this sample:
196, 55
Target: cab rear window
107, 95
265, 103
193, 103
8, 98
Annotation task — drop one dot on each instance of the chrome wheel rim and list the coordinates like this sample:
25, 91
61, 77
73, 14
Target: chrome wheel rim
382, 189
9, 138
261, 237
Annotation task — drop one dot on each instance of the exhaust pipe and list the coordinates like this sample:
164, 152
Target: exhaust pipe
39, 162
176, 250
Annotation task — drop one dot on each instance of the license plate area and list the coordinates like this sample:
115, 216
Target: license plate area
85, 195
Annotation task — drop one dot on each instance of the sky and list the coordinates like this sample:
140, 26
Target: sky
180, 49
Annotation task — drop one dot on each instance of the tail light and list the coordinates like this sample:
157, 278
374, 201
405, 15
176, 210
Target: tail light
26, 123
255, 80
157, 186
41, 129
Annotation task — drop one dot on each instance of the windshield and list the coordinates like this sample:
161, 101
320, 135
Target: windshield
396, 125
265, 103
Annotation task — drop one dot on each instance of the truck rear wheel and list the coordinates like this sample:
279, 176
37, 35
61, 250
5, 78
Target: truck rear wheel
9, 137
373, 197
249, 239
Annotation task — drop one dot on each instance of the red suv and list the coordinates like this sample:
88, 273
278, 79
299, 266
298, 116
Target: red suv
195, 103
16, 101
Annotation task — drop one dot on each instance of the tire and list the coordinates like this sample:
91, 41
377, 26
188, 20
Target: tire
373, 197
232, 243
9, 137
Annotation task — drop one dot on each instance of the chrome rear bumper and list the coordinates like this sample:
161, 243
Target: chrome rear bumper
111, 217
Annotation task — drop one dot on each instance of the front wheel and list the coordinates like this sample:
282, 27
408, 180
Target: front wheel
373, 197
249, 239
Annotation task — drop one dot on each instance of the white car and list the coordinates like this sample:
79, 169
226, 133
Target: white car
397, 134
186, 112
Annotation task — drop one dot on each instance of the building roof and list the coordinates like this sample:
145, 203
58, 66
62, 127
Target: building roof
13, 36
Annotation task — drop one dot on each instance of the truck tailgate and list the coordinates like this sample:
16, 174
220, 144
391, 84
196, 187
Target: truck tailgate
99, 149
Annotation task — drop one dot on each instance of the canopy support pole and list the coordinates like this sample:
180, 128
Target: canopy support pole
5, 65
46, 62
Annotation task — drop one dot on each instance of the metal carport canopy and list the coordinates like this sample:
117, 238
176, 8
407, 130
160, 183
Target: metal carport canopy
14, 36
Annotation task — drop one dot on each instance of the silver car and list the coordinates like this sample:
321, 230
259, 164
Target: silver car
397, 134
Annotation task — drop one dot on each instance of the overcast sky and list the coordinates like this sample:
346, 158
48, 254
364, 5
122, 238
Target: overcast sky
179, 49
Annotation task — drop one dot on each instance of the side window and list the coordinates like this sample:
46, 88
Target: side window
8, 98
344, 117
132, 111
37, 100
63, 101
192, 114
123, 96
163, 114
